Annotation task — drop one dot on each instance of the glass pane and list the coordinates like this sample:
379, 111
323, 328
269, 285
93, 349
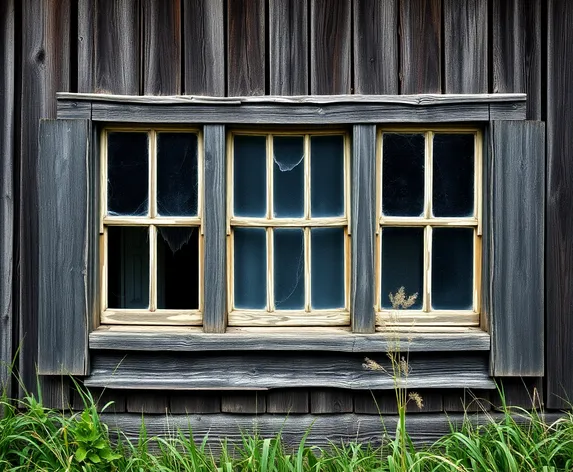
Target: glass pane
249, 169
127, 174
402, 265
178, 268
250, 252
288, 176
128, 267
177, 175
327, 175
327, 268
453, 175
452, 268
289, 269
403, 174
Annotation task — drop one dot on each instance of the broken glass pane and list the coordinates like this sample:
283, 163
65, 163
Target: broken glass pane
177, 176
402, 264
289, 269
327, 268
127, 173
453, 175
327, 175
128, 267
452, 268
249, 170
250, 253
288, 176
403, 174
178, 268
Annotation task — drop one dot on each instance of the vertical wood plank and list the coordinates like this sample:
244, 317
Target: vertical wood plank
244, 402
147, 402
108, 401
559, 228
330, 46
376, 47
204, 47
363, 223
214, 229
432, 402
523, 392
116, 47
459, 401
85, 64
420, 46
330, 401
288, 401
516, 262
190, 403
161, 47
516, 36
375, 403
55, 392
465, 46
246, 47
288, 47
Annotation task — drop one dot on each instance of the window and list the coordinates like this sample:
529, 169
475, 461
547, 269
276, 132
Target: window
288, 207
429, 216
151, 219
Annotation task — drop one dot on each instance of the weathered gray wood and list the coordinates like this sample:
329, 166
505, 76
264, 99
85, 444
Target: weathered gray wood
458, 401
420, 47
108, 401
63, 182
147, 403
508, 111
85, 45
517, 57
161, 47
7, 168
432, 402
215, 261
559, 227
376, 68
330, 46
191, 403
288, 47
135, 338
289, 401
204, 47
244, 402
246, 47
277, 370
516, 260
55, 392
375, 403
465, 46
74, 110
116, 46
326, 401
523, 392
363, 220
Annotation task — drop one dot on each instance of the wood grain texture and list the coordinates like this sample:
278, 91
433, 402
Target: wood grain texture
246, 47
244, 403
420, 46
327, 401
116, 47
432, 402
108, 401
85, 45
214, 227
74, 110
330, 46
459, 401
376, 68
288, 47
55, 392
375, 403
559, 227
290, 401
161, 47
276, 370
204, 47
147, 403
517, 244
7, 169
465, 46
517, 56
523, 392
63, 183
363, 223
190, 403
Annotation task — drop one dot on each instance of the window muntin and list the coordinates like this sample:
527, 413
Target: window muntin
429, 224
151, 208
288, 226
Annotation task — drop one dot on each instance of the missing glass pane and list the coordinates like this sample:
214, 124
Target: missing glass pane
288, 176
178, 268
327, 176
327, 268
289, 269
249, 170
127, 173
128, 267
177, 174
250, 268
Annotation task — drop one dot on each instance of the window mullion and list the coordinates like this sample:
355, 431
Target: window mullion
152, 268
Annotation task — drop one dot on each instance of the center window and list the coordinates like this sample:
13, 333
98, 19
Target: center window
288, 228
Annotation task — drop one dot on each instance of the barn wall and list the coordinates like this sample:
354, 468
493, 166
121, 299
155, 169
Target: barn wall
257, 47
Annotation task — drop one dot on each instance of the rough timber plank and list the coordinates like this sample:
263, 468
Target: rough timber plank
465, 46
161, 47
517, 57
420, 48
246, 47
109, 401
244, 403
523, 392
376, 68
330, 47
147, 403
204, 47
85, 39
55, 392
191, 403
559, 247
375, 403
326, 401
116, 46
458, 401
288, 47
289, 401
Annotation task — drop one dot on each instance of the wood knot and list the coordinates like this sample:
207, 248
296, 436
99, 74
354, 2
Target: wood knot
41, 56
